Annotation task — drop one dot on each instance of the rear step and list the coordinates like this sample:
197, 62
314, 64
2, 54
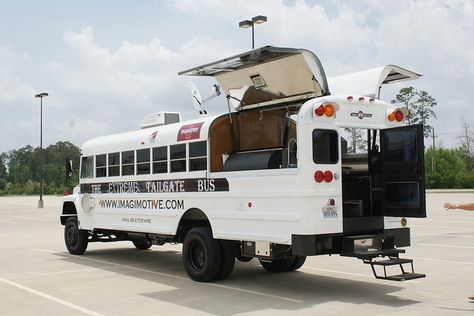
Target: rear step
369, 247
392, 261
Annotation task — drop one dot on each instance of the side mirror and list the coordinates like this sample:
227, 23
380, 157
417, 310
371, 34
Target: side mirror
69, 170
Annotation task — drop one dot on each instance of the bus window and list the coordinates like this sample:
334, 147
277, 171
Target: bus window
198, 156
178, 158
87, 167
143, 161
160, 159
325, 146
101, 166
114, 164
128, 163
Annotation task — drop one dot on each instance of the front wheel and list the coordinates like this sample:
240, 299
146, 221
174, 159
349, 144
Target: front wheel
76, 239
201, 254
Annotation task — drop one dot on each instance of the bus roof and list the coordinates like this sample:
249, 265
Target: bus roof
267, 74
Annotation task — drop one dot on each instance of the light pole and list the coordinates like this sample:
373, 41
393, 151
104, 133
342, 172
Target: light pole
41, 95
259, 19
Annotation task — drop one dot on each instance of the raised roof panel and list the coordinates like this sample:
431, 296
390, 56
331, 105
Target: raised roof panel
266, 75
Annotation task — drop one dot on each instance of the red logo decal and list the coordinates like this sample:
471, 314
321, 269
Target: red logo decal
153, 137
190, 131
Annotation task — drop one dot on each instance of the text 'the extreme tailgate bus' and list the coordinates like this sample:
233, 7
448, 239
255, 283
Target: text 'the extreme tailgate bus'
270, 179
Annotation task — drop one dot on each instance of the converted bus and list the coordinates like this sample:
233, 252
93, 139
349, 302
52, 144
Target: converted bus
271, 178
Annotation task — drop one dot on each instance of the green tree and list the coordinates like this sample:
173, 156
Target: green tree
3, 166
467, 143
423, 108
451, 171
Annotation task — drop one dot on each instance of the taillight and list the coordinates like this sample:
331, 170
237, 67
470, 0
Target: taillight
325, 109
396, 115
326, 176
319, 111
329, 110
399, 116
318, 176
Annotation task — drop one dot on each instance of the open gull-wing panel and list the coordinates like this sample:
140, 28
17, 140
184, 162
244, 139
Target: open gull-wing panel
268, 75
369, 82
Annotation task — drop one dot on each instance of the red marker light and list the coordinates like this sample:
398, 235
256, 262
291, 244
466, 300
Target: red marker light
331, 202
350, 98
361, 99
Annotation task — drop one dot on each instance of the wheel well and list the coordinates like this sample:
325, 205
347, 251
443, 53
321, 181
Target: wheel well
68, 209
191, 218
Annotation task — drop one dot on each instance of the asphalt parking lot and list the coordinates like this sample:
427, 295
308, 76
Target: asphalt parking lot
39, 277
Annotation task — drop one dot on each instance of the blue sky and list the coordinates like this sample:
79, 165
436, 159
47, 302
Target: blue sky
107, 64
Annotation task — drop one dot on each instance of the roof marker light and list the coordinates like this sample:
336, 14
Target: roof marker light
371, 100
361, 99
350, 98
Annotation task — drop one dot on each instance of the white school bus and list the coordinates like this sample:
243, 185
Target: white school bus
270, 179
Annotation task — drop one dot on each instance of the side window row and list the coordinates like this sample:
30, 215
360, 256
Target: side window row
147, 161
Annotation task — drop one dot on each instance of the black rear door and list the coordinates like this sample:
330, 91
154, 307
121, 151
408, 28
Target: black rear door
403, 186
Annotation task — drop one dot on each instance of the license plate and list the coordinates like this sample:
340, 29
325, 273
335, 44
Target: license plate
330, 212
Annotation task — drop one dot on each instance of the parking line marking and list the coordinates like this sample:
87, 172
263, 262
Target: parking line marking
340, 272
7, 222
445, 261
447, 234
181, 278
52, 298
441, 245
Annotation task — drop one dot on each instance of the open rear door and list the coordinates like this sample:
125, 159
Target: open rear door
403, 171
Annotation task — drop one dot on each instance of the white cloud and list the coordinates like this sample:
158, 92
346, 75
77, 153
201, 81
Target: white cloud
97, 88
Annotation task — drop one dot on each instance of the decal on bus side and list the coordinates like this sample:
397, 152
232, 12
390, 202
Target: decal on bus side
158, 186
190, 131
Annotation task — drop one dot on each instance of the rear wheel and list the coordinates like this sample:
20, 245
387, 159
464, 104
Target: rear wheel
76, 239
277, 265
243, 258
201, 254
297, 263
142, 244
228, 251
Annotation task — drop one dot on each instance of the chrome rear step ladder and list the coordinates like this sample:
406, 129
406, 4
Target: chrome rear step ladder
393, 261
381, 246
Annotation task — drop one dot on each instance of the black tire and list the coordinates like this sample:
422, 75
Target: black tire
297, 263
228, 251
76, 239
243, 258
277, 265
142, 244
201, 254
